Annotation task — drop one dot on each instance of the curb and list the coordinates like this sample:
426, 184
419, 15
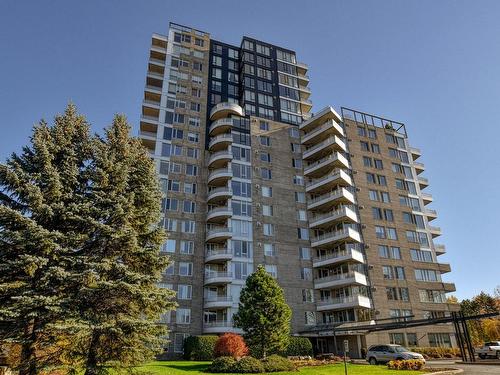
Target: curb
479, 363
446, 372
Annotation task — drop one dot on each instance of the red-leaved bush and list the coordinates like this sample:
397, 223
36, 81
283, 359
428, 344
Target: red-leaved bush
230, 345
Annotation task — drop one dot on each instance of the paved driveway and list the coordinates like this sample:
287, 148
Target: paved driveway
469, 369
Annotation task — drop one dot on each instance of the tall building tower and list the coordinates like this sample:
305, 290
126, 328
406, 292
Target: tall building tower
330, 204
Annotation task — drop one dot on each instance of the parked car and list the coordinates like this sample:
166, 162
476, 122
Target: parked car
385, 353
489, 349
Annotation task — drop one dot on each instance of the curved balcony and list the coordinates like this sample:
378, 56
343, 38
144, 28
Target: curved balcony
219, 214
218, 234
329, 238
350, 255
214, 277
219, 177
219, 194
217, 302
327, 219
225, 109
330, 199
344, 279
218, 255
220, 142
330, 181
325, 147
219, 327
319, 167
223, 125
220, 159
341, 303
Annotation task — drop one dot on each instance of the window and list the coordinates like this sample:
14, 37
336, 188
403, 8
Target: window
300, 197
367, 162
439, 340
303, 233
170, 224
265, 156
285, 56
183, 316
373, 194
241, 189
168, 246
387, 272
272, 269
395, 252
185, 269
249, 96
217, 60
265, 173
383, 251
191, 170
269, 249
377, 213
264, 73
294, 132
301, 215
265, 99
378, 164
432, 296
364, 146
187, 247
400, 273
184, 291
295, 147
361, 131
298, 180
375, 148
305, 253
264, 125
297, 163
169, 271
189, 188
307, 295
171, 204
265, 141
264, 86
385, 197
241, 208
268, 229
421, 255
411, 339
397, 338
427, 275
310, 317
179, 342
391, 233
388, 214
189, 206
233, 53
241, 170
372, 134
188, 226
306, 273
259, 48
267, 210
217, 73
380, 232
267, 191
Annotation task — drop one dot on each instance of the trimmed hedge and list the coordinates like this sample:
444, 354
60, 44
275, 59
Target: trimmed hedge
248, 365
199, 348
222, 365
437, 352
275, 363
298, 347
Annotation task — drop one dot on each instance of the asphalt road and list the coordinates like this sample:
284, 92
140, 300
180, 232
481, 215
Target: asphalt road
469, 369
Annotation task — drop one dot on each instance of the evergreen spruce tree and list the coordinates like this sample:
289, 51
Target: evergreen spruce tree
42, 200
263, 314
80, 249
120, 303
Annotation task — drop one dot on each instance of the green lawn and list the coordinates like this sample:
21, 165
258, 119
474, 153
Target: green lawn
192, 368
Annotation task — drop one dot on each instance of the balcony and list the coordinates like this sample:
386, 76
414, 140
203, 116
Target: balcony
151, 104
419, 167
157, 61
449, 287
303, 79
223, 125
333, 179
153, 89
219, 214
330, 199
218, 255
444, 267
218, 234
329, 128
350, 255
332, 143
220, 159
435, 231
439, 249
319, 119
327, 219
147, 135
219, 176
305, 104
218, 327
342, 303
218, 277
415, 153
225, 109
427, 198
214, 302
324, 165
220, 142
220, 194
329, 238
423, 182
344, 279
431, 214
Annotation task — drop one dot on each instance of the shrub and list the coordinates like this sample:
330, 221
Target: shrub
435, 352
222, 365
407, 364
298, 346
230, 344
199, 348
248, 365
275, 363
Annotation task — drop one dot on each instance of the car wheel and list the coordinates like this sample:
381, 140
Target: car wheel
482, 356
498, 354
373, 361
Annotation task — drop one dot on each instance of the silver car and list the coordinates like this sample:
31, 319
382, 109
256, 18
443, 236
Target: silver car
385, 353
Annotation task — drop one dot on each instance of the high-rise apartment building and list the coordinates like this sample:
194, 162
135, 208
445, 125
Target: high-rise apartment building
331, 205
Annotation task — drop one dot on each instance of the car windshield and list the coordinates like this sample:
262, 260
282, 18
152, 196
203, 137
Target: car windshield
400, 349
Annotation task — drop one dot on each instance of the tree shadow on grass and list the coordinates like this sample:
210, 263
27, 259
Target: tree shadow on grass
188, 367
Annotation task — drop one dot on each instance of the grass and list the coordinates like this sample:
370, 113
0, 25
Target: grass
194, 368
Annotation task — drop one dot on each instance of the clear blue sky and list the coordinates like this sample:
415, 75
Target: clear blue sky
434, 65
